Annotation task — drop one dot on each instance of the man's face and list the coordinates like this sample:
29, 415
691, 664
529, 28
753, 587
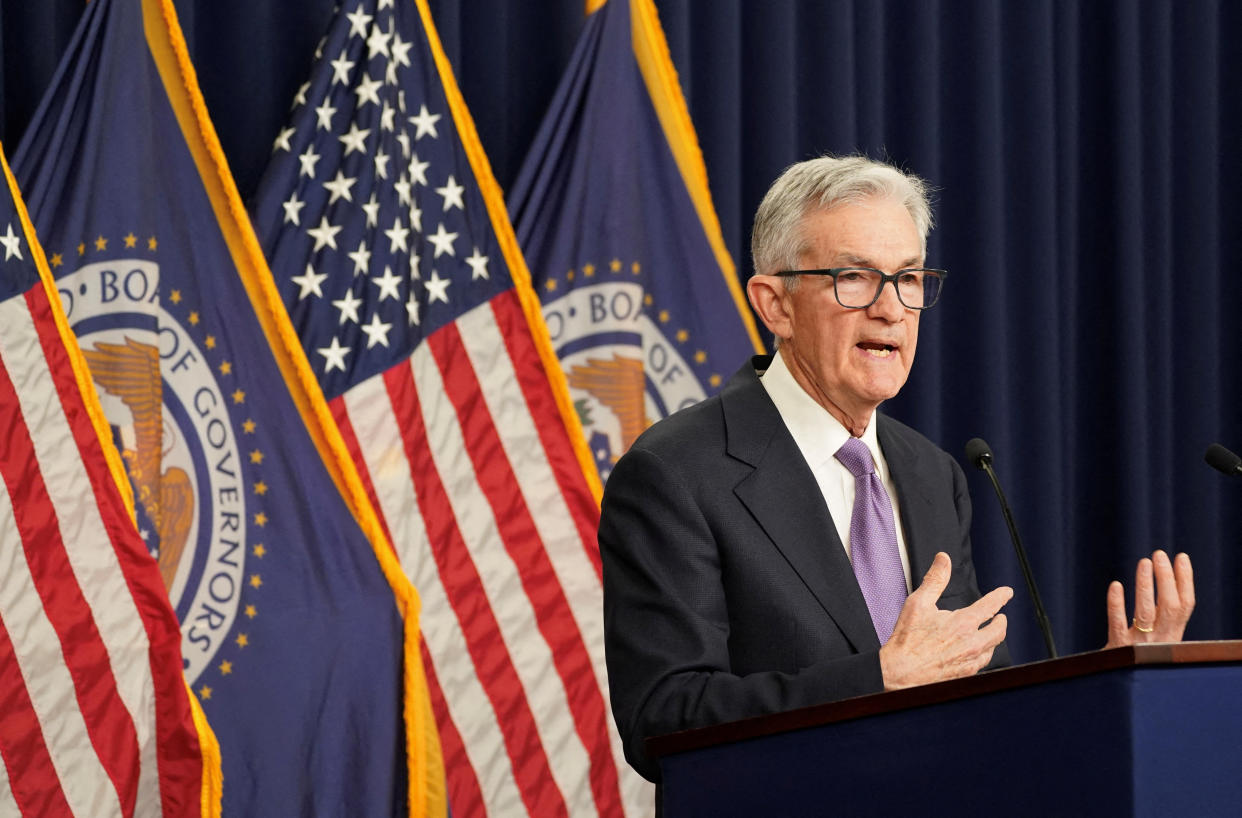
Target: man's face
851, 360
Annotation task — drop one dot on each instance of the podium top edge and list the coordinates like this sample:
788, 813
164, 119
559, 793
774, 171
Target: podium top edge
1033, 673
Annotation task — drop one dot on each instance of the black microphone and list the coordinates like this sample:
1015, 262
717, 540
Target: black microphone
1223, 460
980, 454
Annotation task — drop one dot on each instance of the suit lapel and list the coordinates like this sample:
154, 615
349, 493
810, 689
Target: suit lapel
911, 480
782, 495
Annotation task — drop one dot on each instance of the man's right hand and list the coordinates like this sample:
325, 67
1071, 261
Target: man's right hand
931, 645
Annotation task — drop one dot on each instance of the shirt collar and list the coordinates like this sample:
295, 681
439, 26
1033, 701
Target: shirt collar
813, 428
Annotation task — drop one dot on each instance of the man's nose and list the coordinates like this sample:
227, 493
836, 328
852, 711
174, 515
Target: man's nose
888, 306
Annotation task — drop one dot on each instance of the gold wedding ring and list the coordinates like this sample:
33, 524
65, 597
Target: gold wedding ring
1140, 628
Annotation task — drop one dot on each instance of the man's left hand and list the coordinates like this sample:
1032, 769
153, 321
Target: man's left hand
1164, 597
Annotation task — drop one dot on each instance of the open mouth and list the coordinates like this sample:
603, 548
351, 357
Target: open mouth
877, 349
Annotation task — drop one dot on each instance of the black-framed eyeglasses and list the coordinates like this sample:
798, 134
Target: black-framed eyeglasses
857, 288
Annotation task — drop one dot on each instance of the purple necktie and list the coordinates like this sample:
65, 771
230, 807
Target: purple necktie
873, 540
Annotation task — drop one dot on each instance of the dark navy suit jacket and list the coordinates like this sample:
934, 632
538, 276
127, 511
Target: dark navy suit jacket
727, 591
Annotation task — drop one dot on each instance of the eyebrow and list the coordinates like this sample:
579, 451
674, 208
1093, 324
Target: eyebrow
849, 260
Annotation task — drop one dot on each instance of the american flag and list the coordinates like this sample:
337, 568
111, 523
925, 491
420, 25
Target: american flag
95, 717
388, 239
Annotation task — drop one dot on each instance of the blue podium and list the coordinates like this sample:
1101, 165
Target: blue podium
1148, 730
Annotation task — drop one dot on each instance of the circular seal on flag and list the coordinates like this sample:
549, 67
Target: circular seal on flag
169, 416
624, 372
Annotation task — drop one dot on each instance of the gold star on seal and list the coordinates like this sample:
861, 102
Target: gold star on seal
131, 240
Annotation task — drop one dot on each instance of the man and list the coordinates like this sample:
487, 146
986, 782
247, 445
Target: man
761, 548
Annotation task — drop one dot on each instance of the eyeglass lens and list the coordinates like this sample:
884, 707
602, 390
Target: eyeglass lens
917, 289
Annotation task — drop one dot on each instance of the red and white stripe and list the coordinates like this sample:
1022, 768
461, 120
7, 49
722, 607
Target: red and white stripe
93, 721
466, 455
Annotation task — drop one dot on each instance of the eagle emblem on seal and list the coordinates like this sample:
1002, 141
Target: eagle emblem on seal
618, 383
131, 373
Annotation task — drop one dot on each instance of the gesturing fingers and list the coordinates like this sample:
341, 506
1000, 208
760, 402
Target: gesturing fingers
970, 632
994, 634
1162, 566
988, 605
1118, 627
1144, 597
922, 600
1164, 597
1185, 577
935, 580
930, 645
975, 642
1175, 595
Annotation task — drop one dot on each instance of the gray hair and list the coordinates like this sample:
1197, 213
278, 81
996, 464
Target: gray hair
777, 242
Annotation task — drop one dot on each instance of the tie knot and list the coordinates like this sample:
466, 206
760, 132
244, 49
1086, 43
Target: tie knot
856, 457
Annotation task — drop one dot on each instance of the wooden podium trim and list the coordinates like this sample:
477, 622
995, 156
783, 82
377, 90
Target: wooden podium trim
1080, 664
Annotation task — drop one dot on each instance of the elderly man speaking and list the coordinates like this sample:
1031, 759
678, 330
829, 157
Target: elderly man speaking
784, 544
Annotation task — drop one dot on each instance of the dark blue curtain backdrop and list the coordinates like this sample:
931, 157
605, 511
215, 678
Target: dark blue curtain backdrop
1085, 155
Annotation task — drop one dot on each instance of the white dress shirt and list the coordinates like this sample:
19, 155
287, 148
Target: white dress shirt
819, 435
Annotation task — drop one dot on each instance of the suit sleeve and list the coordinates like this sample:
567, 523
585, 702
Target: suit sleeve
666, 617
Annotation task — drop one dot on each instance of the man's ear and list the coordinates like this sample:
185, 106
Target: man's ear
772, 304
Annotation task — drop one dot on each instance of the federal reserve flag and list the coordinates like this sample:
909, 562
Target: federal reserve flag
613, 213
298, 630
387, 236
95, 717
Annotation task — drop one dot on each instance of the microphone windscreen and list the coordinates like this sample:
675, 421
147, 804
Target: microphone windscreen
1223, 460
978, 452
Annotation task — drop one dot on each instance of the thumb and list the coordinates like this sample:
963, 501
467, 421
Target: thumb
937, 577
